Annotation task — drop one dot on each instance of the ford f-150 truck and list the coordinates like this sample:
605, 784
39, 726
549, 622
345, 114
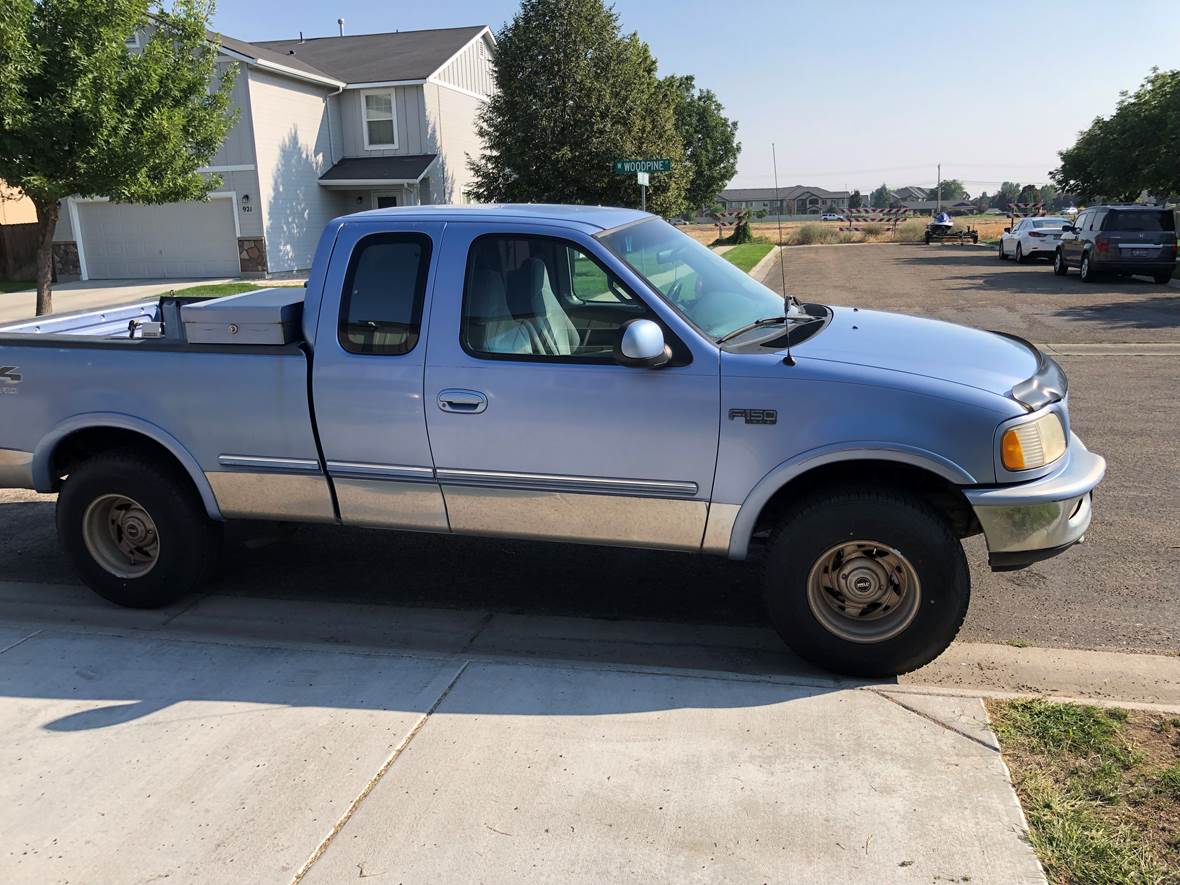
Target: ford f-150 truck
565, 373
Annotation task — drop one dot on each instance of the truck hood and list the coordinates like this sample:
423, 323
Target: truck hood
918, 346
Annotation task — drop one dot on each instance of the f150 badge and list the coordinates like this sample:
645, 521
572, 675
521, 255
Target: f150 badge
10, 376
754, 416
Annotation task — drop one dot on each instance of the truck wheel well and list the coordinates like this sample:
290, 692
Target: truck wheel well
945, 497
84, 444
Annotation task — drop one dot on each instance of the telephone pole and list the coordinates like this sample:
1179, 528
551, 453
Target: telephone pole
939, 187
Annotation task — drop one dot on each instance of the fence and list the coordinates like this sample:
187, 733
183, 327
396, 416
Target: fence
857, 218
1026, 210
18, 251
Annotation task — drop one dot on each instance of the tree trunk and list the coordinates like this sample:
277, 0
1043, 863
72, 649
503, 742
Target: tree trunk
46, 224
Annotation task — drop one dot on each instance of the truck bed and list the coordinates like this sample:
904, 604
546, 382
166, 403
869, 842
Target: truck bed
221, 404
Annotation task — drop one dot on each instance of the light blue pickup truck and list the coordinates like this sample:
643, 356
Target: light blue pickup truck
564, 373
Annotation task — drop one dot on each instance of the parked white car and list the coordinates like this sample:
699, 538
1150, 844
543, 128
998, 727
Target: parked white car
831, 216
1032, 238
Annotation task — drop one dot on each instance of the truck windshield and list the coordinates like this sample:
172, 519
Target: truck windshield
712, 293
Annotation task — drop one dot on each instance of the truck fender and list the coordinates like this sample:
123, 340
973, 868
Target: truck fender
764, 490
43, 456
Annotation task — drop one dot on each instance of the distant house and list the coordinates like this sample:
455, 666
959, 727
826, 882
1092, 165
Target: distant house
929, 207
795, 200
909, 194
327, 126
15, 207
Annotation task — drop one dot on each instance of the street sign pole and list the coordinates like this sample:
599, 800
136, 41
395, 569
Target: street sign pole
643, 178
642, 170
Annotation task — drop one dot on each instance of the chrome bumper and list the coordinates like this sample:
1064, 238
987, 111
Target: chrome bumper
1031, 521
16, 469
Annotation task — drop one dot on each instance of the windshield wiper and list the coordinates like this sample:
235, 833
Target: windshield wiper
765, 321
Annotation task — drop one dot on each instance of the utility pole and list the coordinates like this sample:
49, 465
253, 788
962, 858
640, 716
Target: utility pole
940, 187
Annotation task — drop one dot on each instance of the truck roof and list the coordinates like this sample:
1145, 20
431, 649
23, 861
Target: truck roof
602, 217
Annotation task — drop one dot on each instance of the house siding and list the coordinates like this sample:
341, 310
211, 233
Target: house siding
451, 124
292, 144
409, 109
470, 69
238, 147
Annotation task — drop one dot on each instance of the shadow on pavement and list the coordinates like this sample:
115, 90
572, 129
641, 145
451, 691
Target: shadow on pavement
1160, 312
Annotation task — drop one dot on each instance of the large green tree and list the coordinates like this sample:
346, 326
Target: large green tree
710, 142
84, 114
1131, 151
573, 95
880, 198
952, 191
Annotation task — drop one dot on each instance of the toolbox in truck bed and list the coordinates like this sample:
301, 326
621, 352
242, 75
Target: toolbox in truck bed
267, 316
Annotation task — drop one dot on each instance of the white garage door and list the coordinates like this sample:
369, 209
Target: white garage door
123, 241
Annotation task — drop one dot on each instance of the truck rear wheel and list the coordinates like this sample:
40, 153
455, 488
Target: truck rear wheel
135, 529
866, 583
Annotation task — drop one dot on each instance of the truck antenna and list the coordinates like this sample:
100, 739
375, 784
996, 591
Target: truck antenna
789, 360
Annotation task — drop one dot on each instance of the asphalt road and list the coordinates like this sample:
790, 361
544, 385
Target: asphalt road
1120, 590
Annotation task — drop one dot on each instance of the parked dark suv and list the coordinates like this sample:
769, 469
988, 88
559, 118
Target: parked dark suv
1119, 239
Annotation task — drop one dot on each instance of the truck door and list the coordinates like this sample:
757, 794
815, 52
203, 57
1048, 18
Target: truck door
368, 372
536, 430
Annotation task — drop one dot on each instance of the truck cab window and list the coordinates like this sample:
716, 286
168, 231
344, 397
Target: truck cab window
533, 297
381, 306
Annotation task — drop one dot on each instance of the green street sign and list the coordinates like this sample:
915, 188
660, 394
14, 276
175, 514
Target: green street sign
629, 167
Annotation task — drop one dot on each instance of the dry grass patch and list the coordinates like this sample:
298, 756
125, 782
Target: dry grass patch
1100, 787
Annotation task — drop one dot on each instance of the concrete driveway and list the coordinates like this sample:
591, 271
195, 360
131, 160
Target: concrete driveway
90, 295
255, 740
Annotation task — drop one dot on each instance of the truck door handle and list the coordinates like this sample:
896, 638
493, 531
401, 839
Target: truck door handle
468, 402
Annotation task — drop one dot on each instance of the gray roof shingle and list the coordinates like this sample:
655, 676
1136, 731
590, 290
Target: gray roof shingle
375, 58
405, 168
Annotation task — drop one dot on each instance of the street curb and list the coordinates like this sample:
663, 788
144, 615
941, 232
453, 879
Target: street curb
762, 268
1175, 284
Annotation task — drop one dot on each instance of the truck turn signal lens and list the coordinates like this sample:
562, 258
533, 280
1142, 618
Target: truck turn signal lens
1034, 444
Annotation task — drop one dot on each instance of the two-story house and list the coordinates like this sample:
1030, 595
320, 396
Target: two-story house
326, 126
797, 199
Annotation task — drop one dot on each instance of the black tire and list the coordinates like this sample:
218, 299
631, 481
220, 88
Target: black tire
1088, 274
1000, 251
188, 541
1059, 266
1163, 278
927, 238
903, 525
1020, 259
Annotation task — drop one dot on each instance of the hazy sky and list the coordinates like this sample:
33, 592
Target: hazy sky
852, 92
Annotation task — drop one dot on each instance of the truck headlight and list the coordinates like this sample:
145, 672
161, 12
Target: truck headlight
1034, 444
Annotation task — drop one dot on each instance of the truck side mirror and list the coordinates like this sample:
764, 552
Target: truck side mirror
1007, 230
642, 345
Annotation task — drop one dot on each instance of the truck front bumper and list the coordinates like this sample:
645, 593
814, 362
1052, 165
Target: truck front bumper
1027, 522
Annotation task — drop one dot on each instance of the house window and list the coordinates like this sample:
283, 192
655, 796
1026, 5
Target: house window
133, 41
380, 126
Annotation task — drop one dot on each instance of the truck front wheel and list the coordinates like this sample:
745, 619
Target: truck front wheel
135, 529
866, 583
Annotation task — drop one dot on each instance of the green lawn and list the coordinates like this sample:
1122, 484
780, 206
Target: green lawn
1100, 788
214, 290
16, 285
745, 256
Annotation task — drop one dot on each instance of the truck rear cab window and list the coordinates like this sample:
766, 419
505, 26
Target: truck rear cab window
381, 306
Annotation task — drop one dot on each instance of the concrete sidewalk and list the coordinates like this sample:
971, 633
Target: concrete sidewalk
215, 742
69, 297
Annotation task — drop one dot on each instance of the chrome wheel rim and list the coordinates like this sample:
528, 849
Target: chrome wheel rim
120, 536
1085, 267
864, 591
